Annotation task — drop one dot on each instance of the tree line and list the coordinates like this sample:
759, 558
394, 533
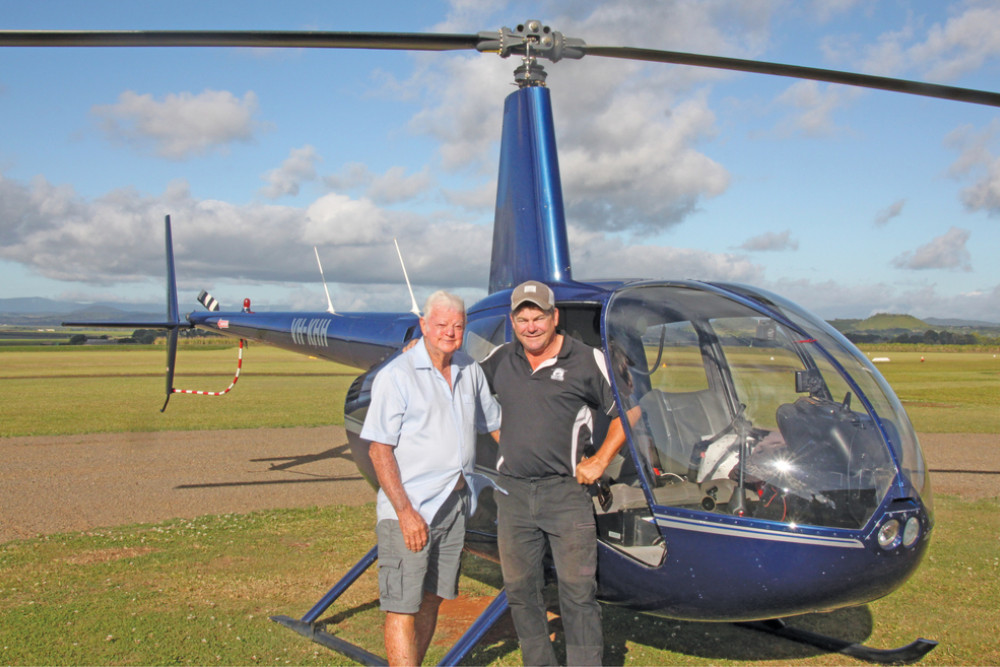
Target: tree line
929, 337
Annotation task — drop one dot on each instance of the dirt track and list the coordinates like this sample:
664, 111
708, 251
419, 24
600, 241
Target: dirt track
57, 484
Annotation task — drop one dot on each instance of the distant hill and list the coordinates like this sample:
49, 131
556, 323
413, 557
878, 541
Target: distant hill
39, 312
884, 322
938, 322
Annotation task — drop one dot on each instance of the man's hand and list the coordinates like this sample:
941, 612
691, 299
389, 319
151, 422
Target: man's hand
414, 529
589, 470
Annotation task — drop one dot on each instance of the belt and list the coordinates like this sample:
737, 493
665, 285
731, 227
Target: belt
532, 480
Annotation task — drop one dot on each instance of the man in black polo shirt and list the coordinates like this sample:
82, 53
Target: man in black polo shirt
549, 386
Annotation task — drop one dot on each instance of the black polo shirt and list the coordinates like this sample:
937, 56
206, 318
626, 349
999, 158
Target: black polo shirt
548, 414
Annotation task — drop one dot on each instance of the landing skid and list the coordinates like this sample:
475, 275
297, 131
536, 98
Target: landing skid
903, 655
306, 626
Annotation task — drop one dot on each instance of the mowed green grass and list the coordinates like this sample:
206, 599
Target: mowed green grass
201, 591
69, 390
946, 392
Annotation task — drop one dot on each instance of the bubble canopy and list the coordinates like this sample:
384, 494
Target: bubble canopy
740, 402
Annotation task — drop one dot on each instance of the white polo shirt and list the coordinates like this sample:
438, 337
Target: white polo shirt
432, 425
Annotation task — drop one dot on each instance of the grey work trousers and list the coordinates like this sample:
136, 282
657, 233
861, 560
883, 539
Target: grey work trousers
558, 512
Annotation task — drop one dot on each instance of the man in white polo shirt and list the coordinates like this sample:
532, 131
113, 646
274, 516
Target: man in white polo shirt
427, 405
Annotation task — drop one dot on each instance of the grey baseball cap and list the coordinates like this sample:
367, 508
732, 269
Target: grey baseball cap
533, 292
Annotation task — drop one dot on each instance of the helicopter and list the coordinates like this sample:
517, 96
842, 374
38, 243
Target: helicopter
770, 470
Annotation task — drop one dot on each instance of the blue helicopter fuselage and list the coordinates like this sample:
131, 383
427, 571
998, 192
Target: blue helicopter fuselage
769, 471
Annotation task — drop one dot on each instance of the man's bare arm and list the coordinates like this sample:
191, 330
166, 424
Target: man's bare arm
412, 525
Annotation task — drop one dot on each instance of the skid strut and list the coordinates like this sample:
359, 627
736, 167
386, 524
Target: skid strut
306, 626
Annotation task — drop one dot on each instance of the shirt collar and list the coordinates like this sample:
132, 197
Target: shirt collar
562, 354
422, 358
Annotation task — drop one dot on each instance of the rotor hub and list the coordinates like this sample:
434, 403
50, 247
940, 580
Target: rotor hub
531, 39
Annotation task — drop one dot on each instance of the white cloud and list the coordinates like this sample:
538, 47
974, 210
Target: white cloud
938, 52
975, 159
629, 133
353, 175
396, 186
597, 256
831, 299
633, 164
392, 187
181, 124
298, 167
962, 44
771, 241
892, 211
814, 106
947, 251
118, 238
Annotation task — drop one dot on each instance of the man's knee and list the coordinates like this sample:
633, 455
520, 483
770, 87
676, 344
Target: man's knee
430, 601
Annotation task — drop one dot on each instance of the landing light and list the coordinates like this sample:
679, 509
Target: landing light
888, 535
911, 531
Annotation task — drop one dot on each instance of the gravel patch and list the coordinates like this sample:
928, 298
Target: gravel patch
72, 483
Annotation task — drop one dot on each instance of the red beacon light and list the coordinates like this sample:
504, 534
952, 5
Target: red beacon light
246, 305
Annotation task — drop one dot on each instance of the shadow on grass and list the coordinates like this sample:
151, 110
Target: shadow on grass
631, 636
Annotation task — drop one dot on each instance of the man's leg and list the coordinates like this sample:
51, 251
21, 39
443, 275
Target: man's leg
573, 538
522, 548
401, 576
424, 623
400, 639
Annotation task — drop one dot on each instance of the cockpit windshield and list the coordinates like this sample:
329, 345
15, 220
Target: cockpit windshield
733, 411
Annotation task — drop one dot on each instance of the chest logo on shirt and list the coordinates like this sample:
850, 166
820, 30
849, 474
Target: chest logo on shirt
558, 374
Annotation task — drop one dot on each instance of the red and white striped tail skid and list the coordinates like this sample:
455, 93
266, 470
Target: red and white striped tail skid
239, 365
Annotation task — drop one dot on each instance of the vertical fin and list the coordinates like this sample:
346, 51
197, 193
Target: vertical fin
173, 313
529, 230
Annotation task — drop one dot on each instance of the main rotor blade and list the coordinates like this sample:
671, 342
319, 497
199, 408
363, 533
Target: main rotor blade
455, 42
248, 38
798, 72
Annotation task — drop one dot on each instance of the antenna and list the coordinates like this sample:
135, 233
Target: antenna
329, 303
413, 301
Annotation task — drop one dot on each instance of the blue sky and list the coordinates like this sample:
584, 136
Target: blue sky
849, 202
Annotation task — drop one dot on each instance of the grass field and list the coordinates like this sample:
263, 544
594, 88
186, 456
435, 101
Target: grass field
201, 591
946, 392
66, 390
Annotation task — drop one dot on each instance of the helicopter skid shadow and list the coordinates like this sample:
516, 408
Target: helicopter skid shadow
626, 631
625, 628
329, 623
300, 469
342, 452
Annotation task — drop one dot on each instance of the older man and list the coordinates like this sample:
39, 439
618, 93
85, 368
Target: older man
549, 385
427, 405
